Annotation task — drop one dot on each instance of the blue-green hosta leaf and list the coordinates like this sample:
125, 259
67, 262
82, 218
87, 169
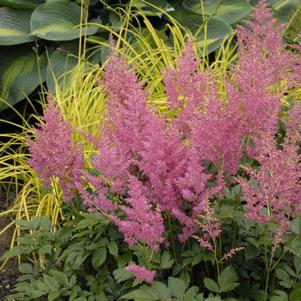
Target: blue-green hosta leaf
21, 4
19, 73
61, 62
214, 34
14, 26
285, 8
229, 11
216, 30
58, 21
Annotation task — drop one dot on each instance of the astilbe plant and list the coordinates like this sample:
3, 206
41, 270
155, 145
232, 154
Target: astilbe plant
179, 167
55, 154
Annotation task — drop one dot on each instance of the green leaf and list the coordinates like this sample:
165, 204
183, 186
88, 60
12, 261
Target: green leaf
113, 248
19, 73
58, 21
166, 261
122, 275
296, 225
211, 285
25, 268
60, 276
45, 249
53, 296
14, 26
98, 257
162, 290
51, 283
143, 293
177, 287
21, 4
213, 299
229, 11
280, 296
295, 294
216, 33
297, 264
61, 62
228, 279
285, 8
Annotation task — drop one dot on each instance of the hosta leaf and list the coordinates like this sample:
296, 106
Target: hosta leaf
216, 33
14, 26
19, 73
285, 8
61, 61
58, 21
211, 33
229, 11
21, 4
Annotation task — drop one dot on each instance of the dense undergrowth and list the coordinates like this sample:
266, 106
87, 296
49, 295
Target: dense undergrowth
194, 195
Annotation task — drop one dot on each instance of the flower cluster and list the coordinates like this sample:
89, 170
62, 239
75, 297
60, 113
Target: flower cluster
154, 164
55, 154
141, 273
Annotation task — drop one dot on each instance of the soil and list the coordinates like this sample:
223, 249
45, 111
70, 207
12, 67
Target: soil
9, 273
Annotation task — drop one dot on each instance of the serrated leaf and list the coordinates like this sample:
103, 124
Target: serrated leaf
26, 268
58, 21
143, 293
228, 279
98, 257
122, 275
280, 296
296, 225
51, 283
177, 287
166, 261
14, 26
162, 290
211, 285
113, 248
282, 274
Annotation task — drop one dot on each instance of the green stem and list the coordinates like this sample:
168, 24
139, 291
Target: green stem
172, 241
216, 261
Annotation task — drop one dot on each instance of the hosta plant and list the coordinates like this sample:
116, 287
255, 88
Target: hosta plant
204, 201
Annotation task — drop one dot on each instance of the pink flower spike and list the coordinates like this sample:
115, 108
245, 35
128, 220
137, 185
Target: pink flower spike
141, 273
54, 153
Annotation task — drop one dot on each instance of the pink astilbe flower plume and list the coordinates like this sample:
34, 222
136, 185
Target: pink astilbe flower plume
141, 273
185, 88
54, 153
275, 189
142, 223
263, 63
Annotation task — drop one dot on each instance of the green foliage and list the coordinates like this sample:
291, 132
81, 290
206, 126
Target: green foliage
86, 259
